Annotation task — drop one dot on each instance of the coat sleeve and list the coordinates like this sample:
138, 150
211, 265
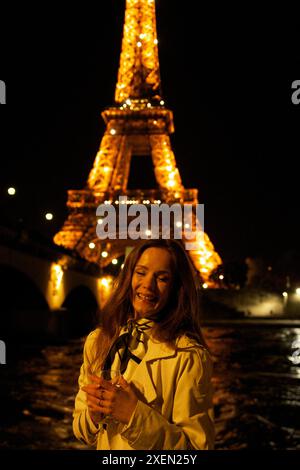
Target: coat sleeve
191, 426
83, 427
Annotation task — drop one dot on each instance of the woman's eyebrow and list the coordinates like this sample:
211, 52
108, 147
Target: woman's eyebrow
141, 266
163, 271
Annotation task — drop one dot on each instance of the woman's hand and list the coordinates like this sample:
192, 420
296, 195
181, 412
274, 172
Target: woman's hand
93, 395
104, 398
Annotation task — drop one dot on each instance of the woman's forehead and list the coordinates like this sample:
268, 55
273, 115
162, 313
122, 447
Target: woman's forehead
158, 259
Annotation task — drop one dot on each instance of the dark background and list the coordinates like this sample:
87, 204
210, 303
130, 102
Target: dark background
226, 74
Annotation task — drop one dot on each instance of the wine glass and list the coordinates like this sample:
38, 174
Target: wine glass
113, 376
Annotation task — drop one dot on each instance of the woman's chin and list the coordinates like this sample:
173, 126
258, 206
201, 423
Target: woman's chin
144, 312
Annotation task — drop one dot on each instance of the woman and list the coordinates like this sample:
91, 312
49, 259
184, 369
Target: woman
150, 332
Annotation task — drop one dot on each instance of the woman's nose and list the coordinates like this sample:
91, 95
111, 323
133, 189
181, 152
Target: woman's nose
149, 282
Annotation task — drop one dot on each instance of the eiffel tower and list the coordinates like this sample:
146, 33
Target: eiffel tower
137, 125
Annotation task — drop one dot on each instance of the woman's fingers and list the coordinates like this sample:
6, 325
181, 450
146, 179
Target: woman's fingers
94, 378
122, 383
99, 400
108, 385
99, 397
100, 406
91, 390
101, 382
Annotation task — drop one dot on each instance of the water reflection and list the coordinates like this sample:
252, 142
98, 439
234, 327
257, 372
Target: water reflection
257, 393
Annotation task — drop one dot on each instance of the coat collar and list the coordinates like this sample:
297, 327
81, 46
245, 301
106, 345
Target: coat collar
157, 350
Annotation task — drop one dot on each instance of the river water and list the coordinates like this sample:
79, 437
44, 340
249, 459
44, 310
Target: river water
257, 391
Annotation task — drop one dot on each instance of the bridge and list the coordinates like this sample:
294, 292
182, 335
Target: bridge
46, 289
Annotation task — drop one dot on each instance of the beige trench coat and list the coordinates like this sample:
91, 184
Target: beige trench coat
174, 410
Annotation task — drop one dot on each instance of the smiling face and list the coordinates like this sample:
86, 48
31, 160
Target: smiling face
151, 282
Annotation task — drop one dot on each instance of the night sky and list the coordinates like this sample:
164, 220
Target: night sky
227, 76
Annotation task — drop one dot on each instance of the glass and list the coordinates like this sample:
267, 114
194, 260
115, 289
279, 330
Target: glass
113, 376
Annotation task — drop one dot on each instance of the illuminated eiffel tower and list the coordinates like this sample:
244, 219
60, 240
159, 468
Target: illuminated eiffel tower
138, 124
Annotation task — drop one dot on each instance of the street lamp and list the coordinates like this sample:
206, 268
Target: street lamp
11, 191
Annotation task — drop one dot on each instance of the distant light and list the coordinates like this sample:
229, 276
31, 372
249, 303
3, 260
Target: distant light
284, 294
122, 266
149, 105
100, 221
148, 232
139, 44
221, 277
106, 169
114, 261
187, 225
49, 216
113, 131
178, 224
269, 268
92, 245
205, 286
162, 102
104, 282
298, 291
11, 191
104, 254
56, 277
155, 41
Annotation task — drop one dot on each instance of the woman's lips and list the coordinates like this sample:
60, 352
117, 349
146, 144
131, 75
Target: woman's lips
146, 298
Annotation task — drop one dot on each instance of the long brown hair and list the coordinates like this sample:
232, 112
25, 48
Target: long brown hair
181, 315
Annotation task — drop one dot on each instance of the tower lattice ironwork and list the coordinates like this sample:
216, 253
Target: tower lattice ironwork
138, 124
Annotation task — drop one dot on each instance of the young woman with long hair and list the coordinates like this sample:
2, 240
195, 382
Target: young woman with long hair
150, 332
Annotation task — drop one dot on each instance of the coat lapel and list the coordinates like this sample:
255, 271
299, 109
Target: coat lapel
146, 370
155, 351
